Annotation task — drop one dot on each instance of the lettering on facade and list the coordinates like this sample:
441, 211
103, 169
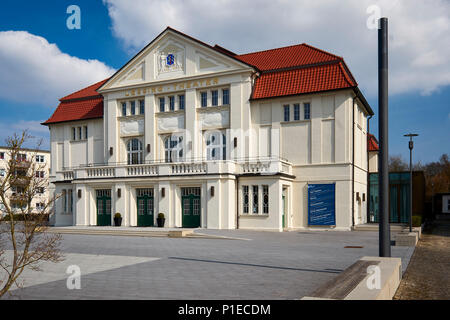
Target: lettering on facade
174, 87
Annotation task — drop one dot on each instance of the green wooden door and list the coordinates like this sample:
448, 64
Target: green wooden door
145, 207
190, 207
103, 207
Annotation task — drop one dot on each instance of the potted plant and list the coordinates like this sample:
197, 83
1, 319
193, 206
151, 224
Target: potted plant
117, 219
161, 220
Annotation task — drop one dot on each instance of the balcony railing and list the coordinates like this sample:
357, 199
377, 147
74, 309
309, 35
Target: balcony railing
263, 166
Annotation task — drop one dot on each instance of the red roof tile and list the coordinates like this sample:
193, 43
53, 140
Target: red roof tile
81, 105
301, 81
287, 57
372, 143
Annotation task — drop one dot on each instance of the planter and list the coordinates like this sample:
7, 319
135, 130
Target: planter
117, 222
160, 222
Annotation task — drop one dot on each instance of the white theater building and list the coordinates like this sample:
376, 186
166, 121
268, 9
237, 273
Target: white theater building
270, 140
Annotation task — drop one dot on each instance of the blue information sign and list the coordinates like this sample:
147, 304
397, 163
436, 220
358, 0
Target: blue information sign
321, 205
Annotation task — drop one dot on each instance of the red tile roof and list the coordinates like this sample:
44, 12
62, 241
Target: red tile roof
372, 143
301, 81
286, 57
81, 105
297, 69
292, 70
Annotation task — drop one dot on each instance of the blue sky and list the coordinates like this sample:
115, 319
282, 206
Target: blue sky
48, 61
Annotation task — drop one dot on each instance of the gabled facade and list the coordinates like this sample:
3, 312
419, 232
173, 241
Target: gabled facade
213, 139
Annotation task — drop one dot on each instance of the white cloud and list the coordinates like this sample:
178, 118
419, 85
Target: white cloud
34, 70
34, 129
419, 32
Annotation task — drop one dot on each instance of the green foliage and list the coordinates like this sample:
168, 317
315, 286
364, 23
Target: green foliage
416, 221
161, 215
117, 215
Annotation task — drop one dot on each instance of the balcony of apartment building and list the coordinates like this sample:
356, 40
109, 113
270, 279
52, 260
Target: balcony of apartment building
178, 167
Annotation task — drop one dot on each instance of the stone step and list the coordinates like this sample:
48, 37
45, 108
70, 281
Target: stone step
375, 226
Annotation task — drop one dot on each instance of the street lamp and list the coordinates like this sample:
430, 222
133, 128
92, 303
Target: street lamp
411, 146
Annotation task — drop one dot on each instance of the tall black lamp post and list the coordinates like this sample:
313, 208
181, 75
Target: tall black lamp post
411, 146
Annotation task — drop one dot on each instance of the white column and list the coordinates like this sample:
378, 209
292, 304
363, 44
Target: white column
150, 128
190, 124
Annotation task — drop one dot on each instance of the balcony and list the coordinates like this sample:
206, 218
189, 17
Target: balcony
261, 166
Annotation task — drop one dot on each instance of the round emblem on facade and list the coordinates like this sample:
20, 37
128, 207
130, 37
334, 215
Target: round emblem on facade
170, 59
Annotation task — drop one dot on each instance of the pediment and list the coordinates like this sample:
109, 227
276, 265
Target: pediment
172, 55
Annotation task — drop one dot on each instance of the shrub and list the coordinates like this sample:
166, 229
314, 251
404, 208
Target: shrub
416, 221
27, 217
117, 215
160, 215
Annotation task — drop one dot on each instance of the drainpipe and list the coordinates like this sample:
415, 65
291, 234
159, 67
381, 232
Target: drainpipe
353, 161
237, 202
368, 172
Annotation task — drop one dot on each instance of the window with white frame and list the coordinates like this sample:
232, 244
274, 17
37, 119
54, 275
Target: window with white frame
133, 108
141, 106
216, 145
2, 155
215, 97
245, 199
286, 112
2, 172
40, 158
172, 103
255, 199
162, 104
85, 132
204, 99
225, 97
79, 133
134, 151
296, 112
173, 148
124, 109
307, 111
181, 102
265, 198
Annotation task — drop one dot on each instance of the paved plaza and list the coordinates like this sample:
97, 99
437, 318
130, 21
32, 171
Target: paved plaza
254, 265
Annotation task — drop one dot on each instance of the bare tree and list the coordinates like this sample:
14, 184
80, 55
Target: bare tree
396, 163
23, 226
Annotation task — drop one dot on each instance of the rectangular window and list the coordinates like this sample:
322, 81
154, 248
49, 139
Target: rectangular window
74, 134
85, 132
296, 112
40, 190
265, 199
40, 174
162, 103
133, 107
286, 113
307, 108
181, 103
2, 155
172, 103
225, 97
124, 109
245, 199
70, 200
255, 200
79, 133
141, 106
2, 172
204, 99
64, 198
215, 97
39, 158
